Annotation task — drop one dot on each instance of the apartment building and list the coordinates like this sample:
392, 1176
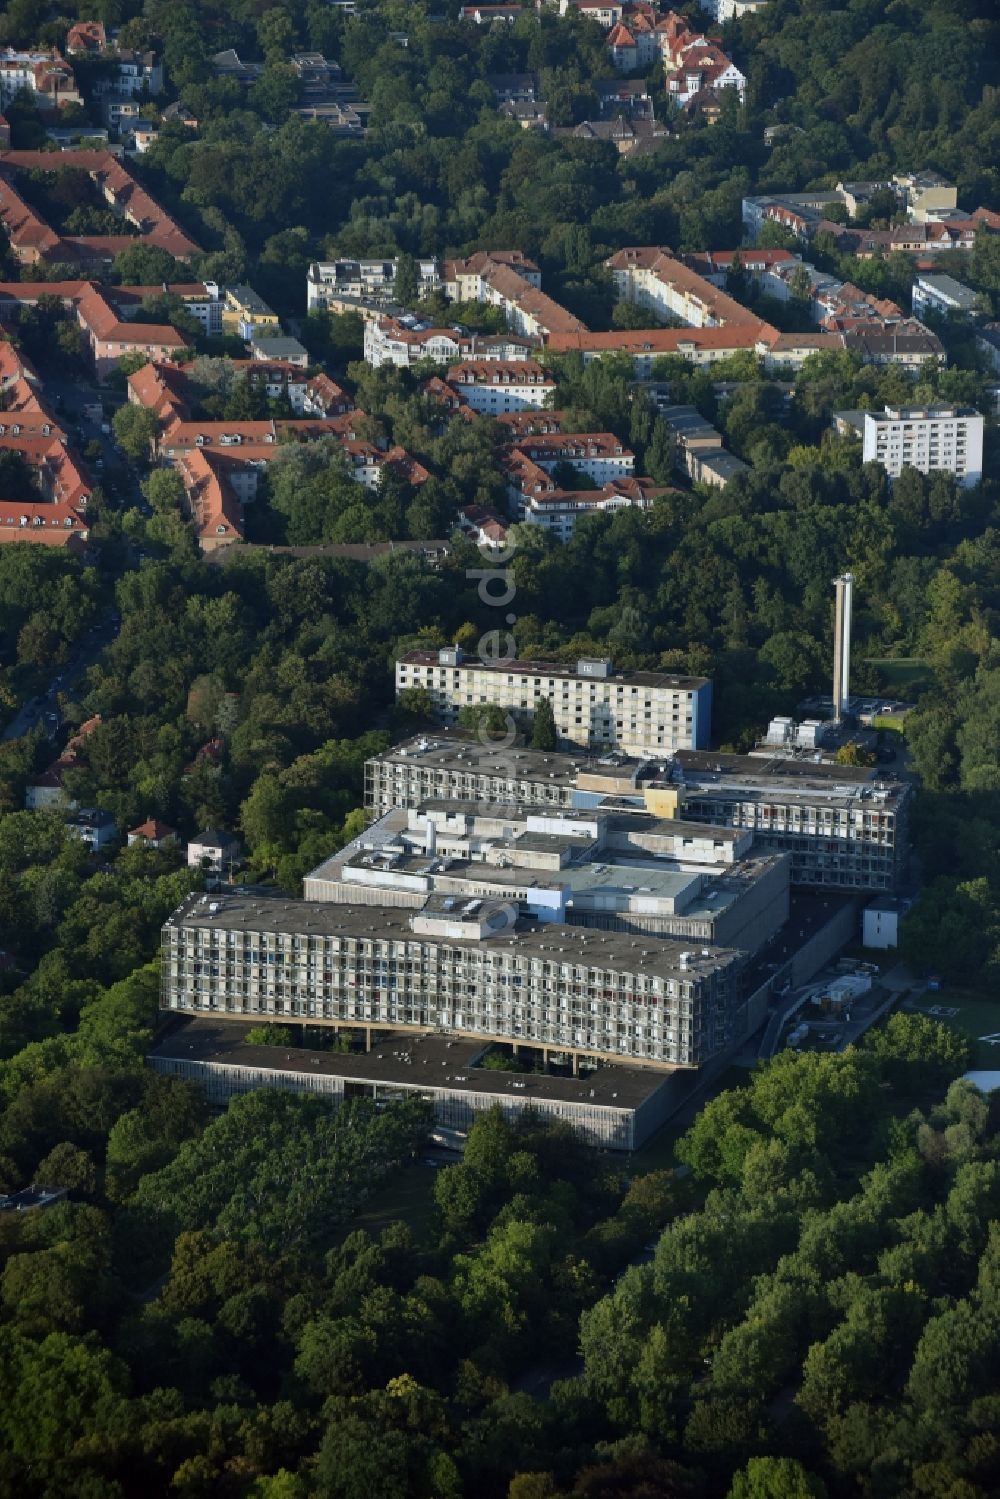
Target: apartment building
492, 386
406, 341
653, 713
943, 295
509, 280
559, 511
701, 347
468, 968
907, 344
44, 75
931, 439
372, 280
620, 871
246, 313
847, 829
33, 240
655, 279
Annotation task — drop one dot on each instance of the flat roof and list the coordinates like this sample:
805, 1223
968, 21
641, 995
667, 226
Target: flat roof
783, 778
457, 750
553, 668
276, 915
428, 1061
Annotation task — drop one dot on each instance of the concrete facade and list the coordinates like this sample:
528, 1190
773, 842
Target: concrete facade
636, 712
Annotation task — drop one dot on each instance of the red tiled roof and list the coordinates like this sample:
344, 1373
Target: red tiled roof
153, 830
620, 36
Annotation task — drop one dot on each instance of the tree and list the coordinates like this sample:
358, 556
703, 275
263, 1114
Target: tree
775, 1478
543, 728
486, 720
143, 264
68, 1166
135, 429
405, 286
164, 489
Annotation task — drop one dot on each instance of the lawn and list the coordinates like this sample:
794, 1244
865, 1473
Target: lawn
407, 1197
906, 675
976, 1016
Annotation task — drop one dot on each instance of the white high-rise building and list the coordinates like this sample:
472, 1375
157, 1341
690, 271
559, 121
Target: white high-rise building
931, 439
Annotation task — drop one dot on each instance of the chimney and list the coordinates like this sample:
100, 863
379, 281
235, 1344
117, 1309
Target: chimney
843, 605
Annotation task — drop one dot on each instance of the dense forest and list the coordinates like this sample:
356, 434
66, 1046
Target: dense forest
204, 1315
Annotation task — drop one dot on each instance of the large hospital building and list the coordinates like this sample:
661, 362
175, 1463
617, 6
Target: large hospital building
846, 828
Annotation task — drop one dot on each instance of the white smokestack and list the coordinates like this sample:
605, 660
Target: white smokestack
843, 607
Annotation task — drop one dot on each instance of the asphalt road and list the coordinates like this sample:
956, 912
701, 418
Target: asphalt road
44, 709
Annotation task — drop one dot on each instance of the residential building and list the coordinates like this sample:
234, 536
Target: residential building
926, 192
464, 279
593, 705
509, 280
492, 386
907, 344
228, 64
601, 456
732, 10
514, 88
558, 510
93, 826
408, 340
800, 212
139, 72
213, 501
698, 449
371, 280
623, 96
46, 790
215, 851
488, 15
179, 111
42, 524
528, 116
44, 75
717, 469
988, 343
693, 63
87, 38
944, 295
153, 834
654, 279
930, 439
279, 350
247, 314
110, 337
715, 266
324, 397
630, 137
32, 240
483, 527
468, 968
701, 347
121, 112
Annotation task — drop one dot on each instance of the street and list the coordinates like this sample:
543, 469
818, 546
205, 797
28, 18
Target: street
44, 709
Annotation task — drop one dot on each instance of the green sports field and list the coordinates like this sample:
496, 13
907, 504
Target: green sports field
977, 1016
